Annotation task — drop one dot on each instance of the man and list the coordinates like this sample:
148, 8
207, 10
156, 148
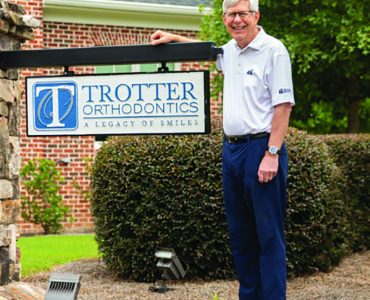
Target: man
257, 101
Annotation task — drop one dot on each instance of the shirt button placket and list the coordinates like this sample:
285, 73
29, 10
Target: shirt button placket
239, 64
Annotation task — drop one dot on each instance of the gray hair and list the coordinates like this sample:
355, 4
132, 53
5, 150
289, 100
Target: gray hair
253, 4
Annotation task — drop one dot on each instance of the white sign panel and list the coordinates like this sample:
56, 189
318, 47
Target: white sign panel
145, 103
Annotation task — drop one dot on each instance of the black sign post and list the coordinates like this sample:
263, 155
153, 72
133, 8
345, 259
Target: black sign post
172, 52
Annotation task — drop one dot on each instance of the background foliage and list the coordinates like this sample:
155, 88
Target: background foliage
329, 45
151, 192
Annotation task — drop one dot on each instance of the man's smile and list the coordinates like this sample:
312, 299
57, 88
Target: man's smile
239, 28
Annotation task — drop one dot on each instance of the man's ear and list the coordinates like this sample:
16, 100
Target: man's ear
257, 15
224, 19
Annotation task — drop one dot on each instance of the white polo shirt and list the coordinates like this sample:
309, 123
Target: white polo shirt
256, 79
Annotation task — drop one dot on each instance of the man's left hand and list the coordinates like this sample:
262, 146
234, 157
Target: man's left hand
268, 168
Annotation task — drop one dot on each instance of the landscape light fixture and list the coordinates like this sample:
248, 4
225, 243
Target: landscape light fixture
64, 161
170, 267
63, 286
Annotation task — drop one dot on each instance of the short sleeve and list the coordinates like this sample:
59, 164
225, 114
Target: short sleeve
280, 80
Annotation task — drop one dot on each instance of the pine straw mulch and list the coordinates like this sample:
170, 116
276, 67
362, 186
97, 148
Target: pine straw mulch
349, 281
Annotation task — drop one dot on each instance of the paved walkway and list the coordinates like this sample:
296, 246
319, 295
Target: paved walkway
21, 291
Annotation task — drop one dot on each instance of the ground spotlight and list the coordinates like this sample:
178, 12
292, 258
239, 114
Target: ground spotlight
170, 267
63, 286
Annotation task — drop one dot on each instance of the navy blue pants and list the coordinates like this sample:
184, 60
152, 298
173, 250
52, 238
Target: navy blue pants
255, 216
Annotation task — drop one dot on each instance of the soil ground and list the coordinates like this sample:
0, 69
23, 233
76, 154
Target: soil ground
349, 281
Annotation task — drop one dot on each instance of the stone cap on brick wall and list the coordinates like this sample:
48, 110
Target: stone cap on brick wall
14, 21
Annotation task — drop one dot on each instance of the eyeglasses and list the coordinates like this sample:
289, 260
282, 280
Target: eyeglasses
241, 14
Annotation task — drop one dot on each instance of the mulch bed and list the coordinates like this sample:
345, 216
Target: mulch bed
349, 281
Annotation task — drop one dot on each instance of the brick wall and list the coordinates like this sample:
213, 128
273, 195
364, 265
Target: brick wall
63, 35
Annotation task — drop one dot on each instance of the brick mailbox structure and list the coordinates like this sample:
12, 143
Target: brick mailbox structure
15, 28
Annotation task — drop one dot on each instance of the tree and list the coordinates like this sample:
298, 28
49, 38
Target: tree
329, 44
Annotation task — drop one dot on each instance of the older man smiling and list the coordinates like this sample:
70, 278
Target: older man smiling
257, 101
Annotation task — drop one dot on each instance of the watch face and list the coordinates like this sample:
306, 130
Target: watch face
273, 150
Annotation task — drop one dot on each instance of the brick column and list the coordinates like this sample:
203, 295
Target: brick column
15, 28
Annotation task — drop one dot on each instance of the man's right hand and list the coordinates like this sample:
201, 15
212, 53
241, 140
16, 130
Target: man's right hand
163, 37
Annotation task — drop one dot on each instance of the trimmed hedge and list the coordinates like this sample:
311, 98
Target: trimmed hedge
166, 191
317, 223
152, 192
352, 155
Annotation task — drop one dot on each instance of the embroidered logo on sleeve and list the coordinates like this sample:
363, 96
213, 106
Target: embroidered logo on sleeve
250, 72
285, 91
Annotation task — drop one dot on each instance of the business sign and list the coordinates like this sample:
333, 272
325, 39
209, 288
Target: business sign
115, 104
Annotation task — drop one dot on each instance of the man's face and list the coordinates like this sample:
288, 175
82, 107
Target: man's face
242, 26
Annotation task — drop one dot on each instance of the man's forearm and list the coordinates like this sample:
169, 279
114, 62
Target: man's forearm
279, 125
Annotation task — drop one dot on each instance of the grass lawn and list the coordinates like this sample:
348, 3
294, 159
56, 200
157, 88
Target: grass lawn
41, 253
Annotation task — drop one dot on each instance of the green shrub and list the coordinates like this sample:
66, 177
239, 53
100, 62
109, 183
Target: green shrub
352, 155
151, 192
166, 191
42, 204
316, 223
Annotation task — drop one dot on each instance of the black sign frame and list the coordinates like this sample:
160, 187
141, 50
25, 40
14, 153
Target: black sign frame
207, 105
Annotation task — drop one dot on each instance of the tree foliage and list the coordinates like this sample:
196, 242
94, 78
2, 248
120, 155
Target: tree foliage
329, 44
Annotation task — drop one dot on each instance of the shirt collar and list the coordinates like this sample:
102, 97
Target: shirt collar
257, 42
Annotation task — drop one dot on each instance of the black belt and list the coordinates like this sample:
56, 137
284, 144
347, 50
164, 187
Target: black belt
244, 138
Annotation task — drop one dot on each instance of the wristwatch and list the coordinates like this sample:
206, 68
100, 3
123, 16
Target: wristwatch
273, 150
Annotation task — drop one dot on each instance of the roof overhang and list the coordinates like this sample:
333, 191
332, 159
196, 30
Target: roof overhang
122, 13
